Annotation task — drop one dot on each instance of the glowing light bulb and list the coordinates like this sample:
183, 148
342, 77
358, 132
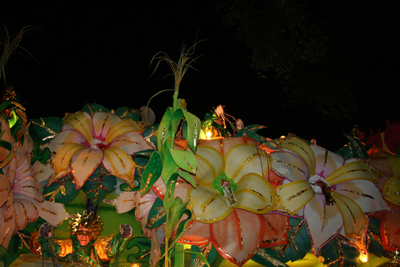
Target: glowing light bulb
321, 259
364, 257
208, 134
135, 265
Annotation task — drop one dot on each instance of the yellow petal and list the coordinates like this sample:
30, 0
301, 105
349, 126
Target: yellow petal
102, 123
82, 122
353, 216
63, 157
119, 164
289, 165
302, 149
395, 164
210, 164
255, 194
391, 191
243, 159
294, 196
207, 205
84, 163
122, 127
355, 170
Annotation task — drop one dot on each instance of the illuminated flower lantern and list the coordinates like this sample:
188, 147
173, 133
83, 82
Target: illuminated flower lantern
332, 194
20, 198
86, 142
232, 199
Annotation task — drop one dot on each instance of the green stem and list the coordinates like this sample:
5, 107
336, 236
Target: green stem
166, 251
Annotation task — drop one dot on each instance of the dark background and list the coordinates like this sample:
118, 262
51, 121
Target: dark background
99, 51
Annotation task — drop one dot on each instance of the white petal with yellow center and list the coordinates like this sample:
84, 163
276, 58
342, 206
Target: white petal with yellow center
122, 127
119, 164
289, 165
210, 164
293, 196
84, 162
355, 170
82, 122
103, 122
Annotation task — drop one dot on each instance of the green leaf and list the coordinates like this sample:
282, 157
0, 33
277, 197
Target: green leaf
189, 178
176, 120
139, 246
212, 254
4, 105
44, 129
128, 113
151, 173
16, 127
150, 134
63, 191
374, 225
91, 108
40, 155
157, 215
169, 166
332, 254
186, 160
177, 211
6, 258
194, 253
169, 197
356, 147
375, 247
163, 129
192, 133
268, 258
98, 185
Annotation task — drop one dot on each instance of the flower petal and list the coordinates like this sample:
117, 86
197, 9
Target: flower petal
353, 216
207, 205
196, 233
324, 222
4, 189
124, 203
63, 157
294, 195
351, 171
364, 193
302, 149
83, 163
255, 194
238, 237
66, 137
122, 127
245, 158
276, 230
82, 122
53, 213
119, 164
289, 165
28, 187
131, 143
326, 161
42, 172
20, 213
6, 228
391, 190
390, 229
102, 123
210, 163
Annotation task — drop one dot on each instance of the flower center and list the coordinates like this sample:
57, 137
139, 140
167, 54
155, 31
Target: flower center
226, 187
320, 186
98, 144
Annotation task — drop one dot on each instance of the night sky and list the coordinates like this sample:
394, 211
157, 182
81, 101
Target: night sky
99, 51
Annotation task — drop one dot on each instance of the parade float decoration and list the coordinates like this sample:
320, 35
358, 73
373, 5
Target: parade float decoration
195, 193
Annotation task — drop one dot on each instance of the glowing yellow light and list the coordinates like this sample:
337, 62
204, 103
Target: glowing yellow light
135, 265
364, 257
208, 134
283, 137
321, 259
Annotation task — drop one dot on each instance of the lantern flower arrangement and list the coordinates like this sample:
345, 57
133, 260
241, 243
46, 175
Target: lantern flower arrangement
86, 142
333, 195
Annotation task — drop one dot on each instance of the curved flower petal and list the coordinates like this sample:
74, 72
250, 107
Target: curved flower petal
102, 123
21, 216
326, 161
28, 187
243, 159
324, 222
4, 189
28, 142
391, 190
121, 128
63, 157
7, 228
207, 205
364, 193
124, 202
210, 164
289, 165
53, 213
240, 227
390, 229
196, 233
119, 164
255, 194
130, 143
276, 230
353, 216
302, 149
83, 163
42, 172
294, 195
66, 137
82, 122
351, 171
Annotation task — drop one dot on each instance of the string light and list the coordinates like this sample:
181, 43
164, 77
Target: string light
363, 257
208, 134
